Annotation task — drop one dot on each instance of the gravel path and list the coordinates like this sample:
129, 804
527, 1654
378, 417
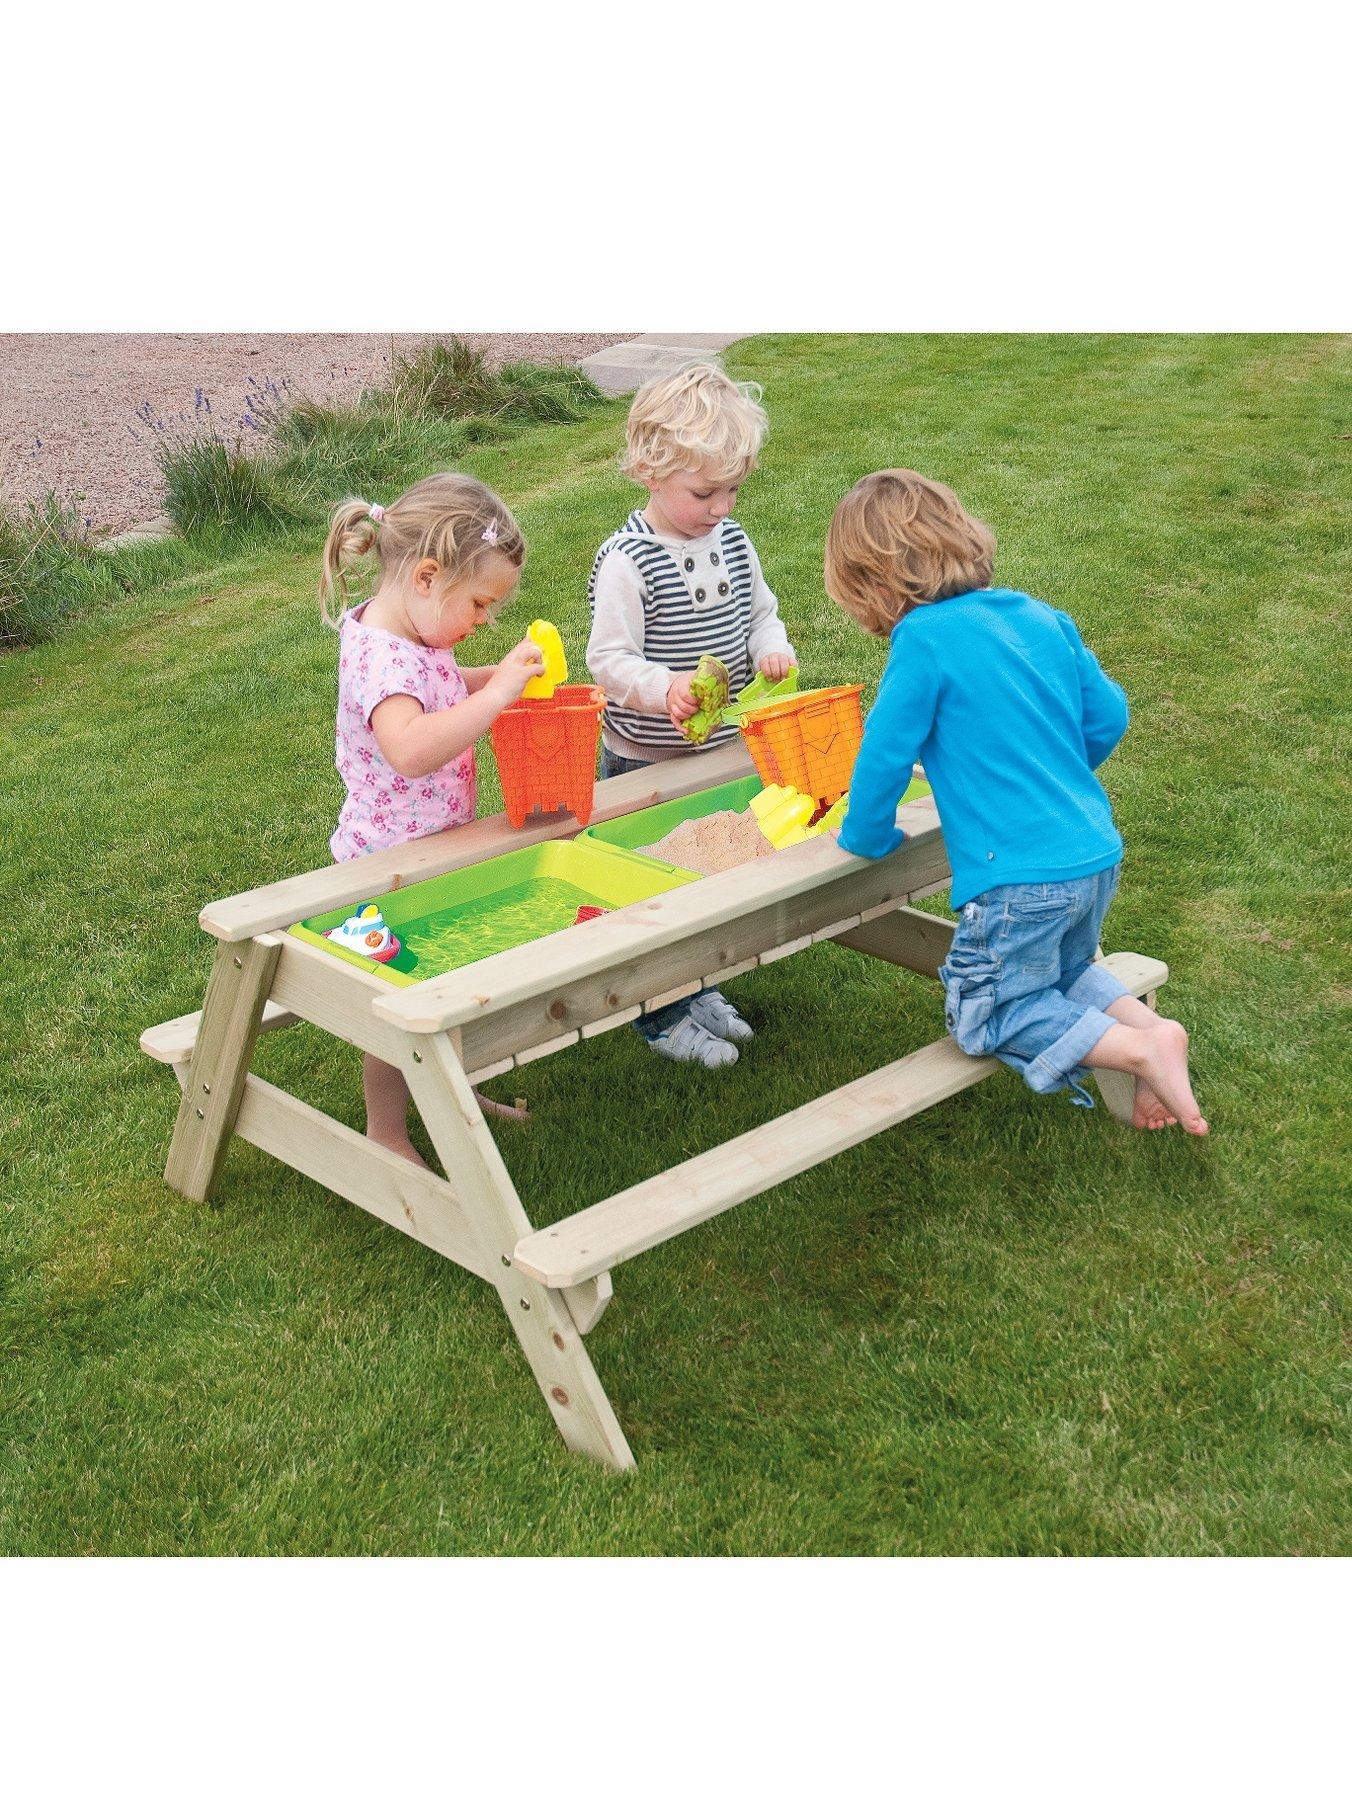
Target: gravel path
68, 402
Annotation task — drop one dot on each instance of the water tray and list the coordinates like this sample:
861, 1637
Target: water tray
471, 913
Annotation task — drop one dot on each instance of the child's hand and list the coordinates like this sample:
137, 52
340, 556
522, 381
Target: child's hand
681, 701
516, 668
775, 667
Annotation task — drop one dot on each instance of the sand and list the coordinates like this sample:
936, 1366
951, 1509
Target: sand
721, 840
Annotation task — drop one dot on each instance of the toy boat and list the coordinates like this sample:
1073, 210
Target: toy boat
367, 934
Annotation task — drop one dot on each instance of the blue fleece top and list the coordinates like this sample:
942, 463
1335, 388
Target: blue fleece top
1008, 710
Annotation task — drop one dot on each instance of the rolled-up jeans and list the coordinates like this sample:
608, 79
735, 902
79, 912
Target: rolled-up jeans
1020, 980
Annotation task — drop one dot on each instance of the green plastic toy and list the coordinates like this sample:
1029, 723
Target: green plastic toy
711, 685
759, 692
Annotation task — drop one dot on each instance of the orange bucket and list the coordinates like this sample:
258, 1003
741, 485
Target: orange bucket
546, 751
808, 742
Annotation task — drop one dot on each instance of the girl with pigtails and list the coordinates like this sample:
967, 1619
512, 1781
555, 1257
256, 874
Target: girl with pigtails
448, 554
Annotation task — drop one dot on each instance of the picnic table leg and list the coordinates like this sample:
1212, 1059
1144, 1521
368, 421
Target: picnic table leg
540, 1316
241, 976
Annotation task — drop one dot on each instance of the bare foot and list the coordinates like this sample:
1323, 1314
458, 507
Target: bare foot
402, 1146
1164, 1076
1149, 1112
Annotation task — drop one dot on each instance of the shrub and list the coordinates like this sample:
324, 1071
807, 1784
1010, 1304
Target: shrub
49, 568
450, 380
324, 452
214, 487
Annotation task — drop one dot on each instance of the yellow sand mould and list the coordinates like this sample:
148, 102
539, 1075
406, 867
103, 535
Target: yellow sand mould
541, 687
783, 813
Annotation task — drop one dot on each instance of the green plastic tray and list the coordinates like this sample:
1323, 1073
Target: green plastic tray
652, 824
471, 913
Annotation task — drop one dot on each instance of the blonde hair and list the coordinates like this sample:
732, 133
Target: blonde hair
899, 540
454, 519
698, 417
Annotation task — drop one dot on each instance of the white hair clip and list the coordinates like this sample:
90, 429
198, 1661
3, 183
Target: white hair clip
377, 514
490, 533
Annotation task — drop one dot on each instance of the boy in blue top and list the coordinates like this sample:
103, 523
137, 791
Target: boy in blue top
1010, 713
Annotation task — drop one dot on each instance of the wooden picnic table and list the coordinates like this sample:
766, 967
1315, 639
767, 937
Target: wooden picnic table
454, 1030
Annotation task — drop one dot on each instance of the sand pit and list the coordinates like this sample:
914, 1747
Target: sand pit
721, 840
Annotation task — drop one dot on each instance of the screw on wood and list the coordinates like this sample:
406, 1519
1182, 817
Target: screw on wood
525, 1306
200, 1113
506, 1262
206, 1087
417, 1056
239, 962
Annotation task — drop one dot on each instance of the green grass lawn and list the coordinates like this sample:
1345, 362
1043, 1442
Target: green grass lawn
1008, 1326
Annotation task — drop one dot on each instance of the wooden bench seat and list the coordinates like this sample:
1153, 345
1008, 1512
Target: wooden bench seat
609, 1233
173, 1042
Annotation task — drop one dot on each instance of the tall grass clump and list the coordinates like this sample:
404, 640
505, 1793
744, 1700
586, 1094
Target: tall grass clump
216, 488
50, 568
213, 485
324, 452
451, 380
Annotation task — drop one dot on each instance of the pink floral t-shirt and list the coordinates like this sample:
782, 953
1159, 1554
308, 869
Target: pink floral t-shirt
383, 808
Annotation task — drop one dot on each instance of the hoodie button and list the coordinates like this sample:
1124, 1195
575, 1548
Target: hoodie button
722, 587
990, 856
713, 557
689, 564
699, 595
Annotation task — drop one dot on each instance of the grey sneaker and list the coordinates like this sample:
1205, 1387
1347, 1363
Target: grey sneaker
719, 1017
686, 1041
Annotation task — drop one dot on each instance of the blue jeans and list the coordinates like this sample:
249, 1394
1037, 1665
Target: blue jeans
647, 1025
619, 765
1021, 983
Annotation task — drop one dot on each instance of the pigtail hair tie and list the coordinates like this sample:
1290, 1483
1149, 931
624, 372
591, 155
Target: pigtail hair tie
377, 514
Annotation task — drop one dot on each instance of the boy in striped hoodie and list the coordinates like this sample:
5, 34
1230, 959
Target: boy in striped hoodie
679, 580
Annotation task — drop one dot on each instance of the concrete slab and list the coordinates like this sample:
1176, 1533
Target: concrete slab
161, 527
700, 340
621, 368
